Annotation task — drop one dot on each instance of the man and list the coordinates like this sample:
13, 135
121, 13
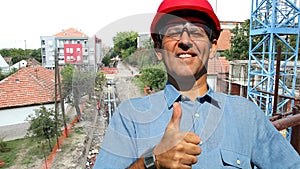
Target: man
187, 125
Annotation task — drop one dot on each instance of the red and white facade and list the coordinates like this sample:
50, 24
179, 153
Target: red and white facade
73, 53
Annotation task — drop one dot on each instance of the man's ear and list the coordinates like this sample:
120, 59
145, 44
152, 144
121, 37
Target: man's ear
158, 53
213, 49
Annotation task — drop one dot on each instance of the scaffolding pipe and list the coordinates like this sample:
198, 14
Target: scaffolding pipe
287, 122
276, 80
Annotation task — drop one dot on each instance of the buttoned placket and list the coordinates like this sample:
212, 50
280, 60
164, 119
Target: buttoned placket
195, 114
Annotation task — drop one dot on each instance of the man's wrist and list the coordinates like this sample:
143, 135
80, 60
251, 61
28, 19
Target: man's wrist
149, 159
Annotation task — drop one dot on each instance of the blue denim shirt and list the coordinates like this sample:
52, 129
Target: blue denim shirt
234, 132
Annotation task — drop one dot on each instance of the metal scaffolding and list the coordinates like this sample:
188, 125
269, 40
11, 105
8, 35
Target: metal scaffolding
274, 43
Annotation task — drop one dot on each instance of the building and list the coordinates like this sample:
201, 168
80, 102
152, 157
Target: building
226, 35
21, 94
4, 67
71, 46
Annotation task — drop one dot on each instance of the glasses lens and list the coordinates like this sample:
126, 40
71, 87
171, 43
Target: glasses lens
196, 31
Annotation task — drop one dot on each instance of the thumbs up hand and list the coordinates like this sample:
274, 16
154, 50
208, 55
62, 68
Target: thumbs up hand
177, 149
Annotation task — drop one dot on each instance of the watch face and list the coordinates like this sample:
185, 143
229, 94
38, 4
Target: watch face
149, 162
149, 159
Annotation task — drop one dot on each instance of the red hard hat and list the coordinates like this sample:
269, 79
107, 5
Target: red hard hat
202, 6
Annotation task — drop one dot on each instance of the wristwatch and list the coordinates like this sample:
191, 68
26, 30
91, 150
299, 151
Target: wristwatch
149, 159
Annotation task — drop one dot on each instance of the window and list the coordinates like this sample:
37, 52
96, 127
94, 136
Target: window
67, 50
78, 58
71, 50
50, 43
78, 50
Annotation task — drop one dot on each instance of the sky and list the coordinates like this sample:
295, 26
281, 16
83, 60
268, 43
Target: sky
24, 21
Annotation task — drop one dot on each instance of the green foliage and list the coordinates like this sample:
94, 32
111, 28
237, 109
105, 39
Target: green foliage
106, 60
67, 78
2, 75
142, 58
3, 146
9, 157
125, 43
77, 83
239, 43
99, 80
153, 77
43, 123
20, 54
26, 149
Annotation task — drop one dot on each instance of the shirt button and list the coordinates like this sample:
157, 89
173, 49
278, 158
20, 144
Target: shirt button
197, 115
238, 162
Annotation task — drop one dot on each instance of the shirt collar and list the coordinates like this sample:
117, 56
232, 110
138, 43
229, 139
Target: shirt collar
172, 95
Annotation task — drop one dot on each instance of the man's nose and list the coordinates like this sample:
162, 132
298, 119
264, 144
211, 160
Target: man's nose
185, 41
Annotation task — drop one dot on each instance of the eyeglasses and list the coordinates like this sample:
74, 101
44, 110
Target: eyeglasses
196, 31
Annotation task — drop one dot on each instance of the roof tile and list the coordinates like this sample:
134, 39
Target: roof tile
30, 85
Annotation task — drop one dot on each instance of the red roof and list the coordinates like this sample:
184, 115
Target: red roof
71, 33
28, 86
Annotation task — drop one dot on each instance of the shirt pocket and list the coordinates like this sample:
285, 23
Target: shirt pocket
231, 159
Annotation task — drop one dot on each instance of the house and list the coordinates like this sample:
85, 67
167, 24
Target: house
18, 65
28, 86
23, 92
9, 60
4, 67
32, 62
217, 73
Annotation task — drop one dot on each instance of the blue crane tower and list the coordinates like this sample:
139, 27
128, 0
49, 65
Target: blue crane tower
274, 31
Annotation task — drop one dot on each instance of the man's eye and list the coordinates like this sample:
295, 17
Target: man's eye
173, 33
197, 34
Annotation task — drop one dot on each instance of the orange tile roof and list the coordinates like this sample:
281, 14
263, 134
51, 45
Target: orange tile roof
71, 33
218, 65
28, 86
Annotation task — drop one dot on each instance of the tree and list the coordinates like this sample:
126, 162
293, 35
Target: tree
67, 78
125, 43
239, 43
77, 83
106, 60
43, 124
99, 80
153, 77
4, 75
20, 54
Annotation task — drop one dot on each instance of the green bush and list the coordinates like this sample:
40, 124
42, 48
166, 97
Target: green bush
3, 146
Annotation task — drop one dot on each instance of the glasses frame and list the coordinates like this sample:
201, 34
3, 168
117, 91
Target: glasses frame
208, 31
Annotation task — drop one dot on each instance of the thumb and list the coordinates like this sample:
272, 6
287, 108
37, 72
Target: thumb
176, 117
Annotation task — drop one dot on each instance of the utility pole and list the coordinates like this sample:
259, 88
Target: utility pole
62, 102
55, 97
